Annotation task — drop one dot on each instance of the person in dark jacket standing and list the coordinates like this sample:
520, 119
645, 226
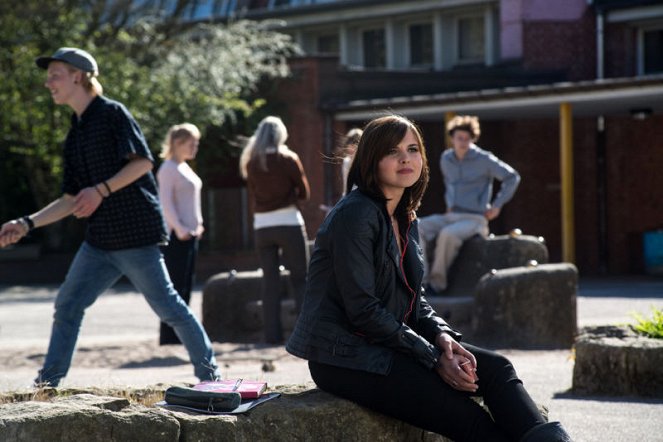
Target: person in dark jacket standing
365, 327
276, 181
108, 181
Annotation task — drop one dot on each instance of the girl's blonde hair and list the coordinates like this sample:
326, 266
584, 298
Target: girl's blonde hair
178, 133
271, 133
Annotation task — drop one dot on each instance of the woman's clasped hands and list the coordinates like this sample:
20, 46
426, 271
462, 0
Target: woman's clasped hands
456, 366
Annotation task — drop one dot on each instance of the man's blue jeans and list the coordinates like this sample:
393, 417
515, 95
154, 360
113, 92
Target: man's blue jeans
92, 272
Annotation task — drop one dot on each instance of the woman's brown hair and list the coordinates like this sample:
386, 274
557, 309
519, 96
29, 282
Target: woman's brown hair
379, 137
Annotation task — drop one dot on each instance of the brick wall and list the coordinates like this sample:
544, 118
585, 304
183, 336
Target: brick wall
620, 50
306, 129
634, 161
567, 46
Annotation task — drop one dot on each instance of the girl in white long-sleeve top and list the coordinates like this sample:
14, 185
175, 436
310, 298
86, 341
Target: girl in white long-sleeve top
179, 192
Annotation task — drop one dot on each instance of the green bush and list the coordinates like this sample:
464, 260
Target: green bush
163, 67
653, 327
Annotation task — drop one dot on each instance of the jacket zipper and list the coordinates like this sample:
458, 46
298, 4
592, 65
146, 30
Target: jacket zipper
407, 284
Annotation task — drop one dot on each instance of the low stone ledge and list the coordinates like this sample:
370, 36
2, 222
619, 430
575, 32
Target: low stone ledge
301, 413
85, 417
616, 361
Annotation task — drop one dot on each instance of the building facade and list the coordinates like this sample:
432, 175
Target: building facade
569, 92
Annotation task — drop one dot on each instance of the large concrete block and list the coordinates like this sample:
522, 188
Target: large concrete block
480, 255
527, 307
226, 317
616, 361
289, 315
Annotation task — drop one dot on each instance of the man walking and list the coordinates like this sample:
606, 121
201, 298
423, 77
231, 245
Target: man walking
108, 180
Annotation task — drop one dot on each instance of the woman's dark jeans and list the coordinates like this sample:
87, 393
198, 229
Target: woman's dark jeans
419, 396
272, 244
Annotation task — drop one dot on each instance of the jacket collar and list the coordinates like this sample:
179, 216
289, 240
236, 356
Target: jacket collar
412, 262
412, 268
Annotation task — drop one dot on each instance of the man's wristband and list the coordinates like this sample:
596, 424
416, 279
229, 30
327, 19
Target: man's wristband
107, 187
28, 222
99, 192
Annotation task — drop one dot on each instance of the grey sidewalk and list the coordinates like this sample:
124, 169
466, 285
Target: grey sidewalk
117, 346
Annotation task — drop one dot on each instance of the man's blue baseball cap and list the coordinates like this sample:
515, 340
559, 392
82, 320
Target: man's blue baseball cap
78, 58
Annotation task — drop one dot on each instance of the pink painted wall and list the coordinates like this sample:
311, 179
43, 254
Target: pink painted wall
513, 13
511, 29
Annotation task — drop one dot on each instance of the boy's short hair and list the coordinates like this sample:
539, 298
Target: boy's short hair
468, 123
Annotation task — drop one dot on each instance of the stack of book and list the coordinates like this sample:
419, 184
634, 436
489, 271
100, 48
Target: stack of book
247, 389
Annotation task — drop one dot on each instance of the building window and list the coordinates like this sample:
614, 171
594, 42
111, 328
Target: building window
471, 42
328, 44
279, 3
373, 45
653, 51
421, 45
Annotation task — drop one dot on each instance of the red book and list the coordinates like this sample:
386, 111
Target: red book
246, 389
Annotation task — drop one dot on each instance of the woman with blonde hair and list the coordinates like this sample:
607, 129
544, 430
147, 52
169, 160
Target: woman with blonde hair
179, 192
276, 182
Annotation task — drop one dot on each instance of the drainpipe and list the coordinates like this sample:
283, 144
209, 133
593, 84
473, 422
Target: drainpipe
602, 194
328, 149
601, 160
599, 44
601, 153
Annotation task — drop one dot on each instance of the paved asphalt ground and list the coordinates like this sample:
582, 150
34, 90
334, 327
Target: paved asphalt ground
118, 347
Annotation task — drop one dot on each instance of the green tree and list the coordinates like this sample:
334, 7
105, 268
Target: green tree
164, 68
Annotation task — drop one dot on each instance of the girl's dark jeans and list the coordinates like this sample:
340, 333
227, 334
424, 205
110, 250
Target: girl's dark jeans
286, 243
419, 396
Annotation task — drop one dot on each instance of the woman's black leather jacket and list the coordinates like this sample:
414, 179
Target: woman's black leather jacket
363, 300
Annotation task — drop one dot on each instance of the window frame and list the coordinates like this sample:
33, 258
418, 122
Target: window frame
640, 51
457, 40
331, 33
408, 43
376, 26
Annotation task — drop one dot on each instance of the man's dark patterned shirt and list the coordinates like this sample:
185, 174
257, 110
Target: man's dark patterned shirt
98, 145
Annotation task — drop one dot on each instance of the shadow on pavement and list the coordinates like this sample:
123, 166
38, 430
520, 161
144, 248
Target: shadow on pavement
167, 361
569, 394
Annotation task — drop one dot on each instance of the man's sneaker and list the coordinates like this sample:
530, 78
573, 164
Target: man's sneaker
42, 384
